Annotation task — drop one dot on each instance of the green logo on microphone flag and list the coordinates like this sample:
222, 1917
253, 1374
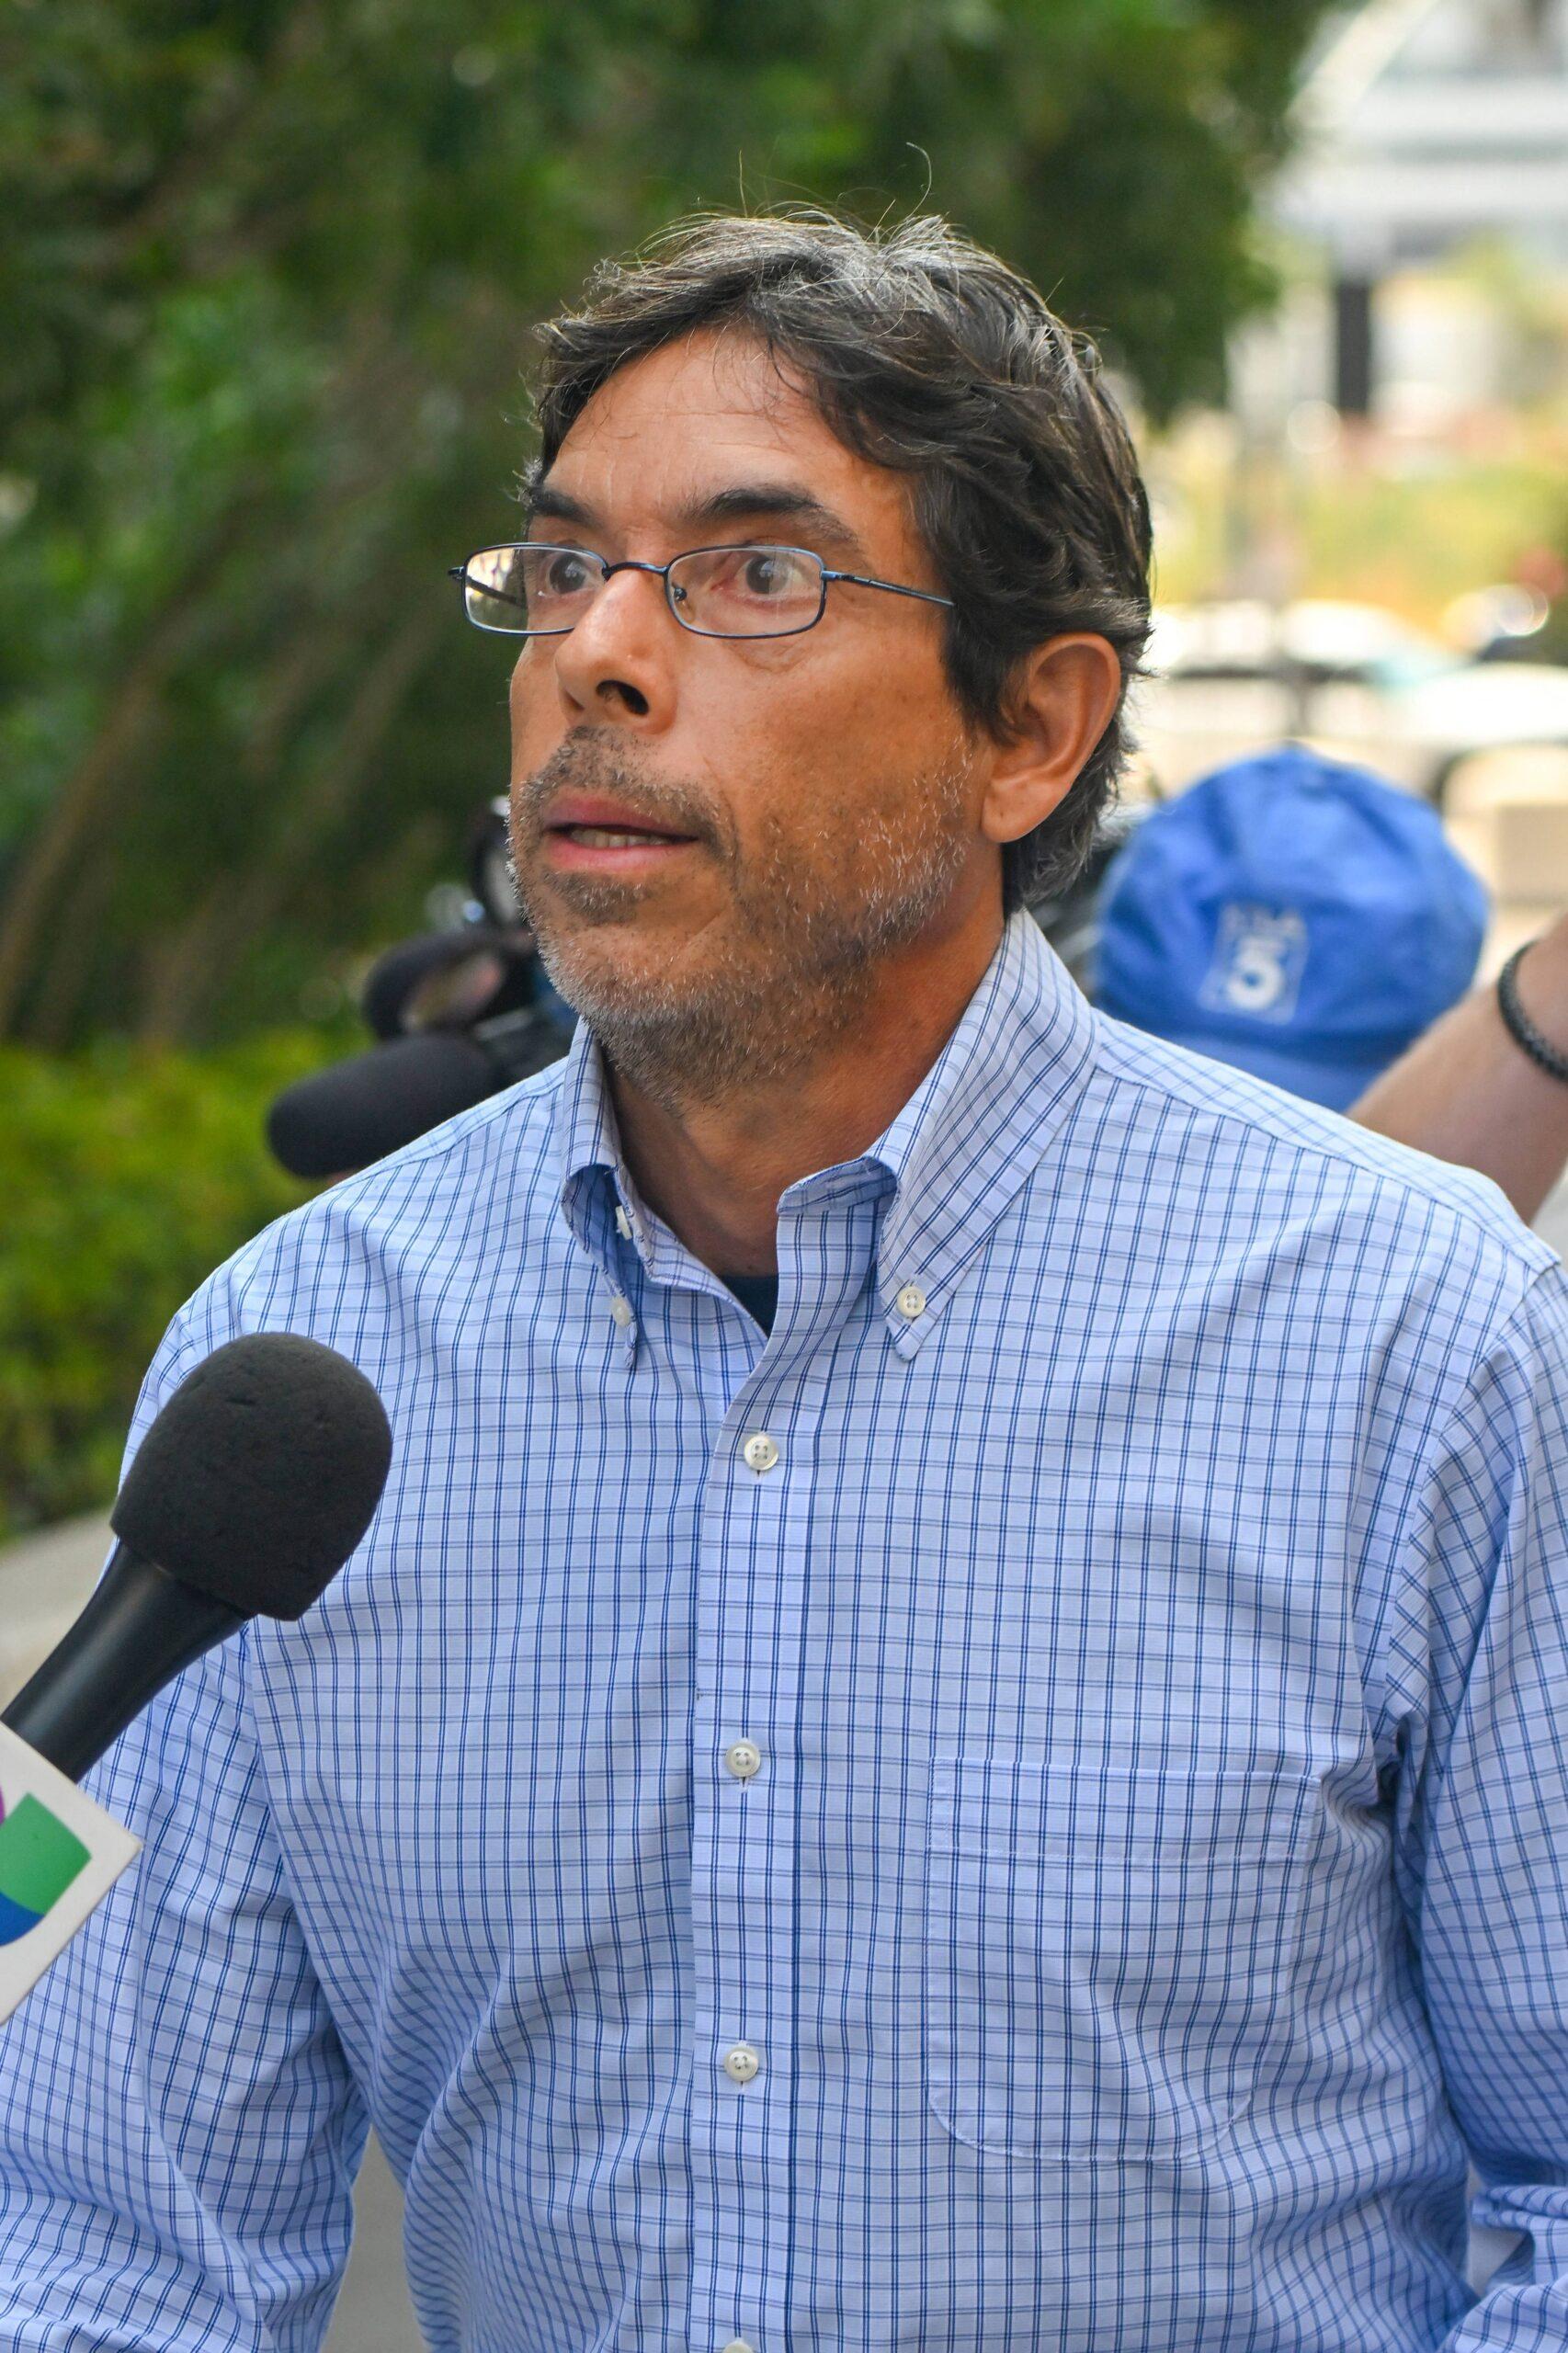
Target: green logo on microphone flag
59, 1854
38, 1860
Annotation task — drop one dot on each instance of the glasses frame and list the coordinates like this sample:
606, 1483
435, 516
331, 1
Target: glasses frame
459, 571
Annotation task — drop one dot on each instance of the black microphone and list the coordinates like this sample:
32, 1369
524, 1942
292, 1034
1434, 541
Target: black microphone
359, 1111
247, 1495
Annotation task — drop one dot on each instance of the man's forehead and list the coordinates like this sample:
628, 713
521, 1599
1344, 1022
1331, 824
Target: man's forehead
676, 429
725, 381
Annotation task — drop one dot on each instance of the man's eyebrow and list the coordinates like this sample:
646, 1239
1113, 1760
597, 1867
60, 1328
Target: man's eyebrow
558, 507
786, 502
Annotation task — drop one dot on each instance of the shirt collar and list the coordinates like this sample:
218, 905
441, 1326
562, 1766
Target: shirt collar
978, 1124
960, 1149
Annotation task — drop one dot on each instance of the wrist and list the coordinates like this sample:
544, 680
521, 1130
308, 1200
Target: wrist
1543, 979
1535, 1011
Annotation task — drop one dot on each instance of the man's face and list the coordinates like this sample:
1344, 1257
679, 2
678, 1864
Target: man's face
801, 809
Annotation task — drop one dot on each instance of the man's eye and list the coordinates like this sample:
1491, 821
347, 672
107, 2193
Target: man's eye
564, 576
765, 573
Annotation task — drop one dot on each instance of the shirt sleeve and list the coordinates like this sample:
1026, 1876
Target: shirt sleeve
179, 2131
1489, 1827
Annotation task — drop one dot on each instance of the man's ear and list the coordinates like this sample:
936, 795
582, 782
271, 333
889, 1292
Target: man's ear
1062, 703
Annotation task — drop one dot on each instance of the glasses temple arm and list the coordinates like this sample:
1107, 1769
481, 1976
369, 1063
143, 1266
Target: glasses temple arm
892, 588
459, 571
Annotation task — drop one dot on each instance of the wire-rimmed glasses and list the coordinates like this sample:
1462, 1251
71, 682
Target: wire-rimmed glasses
532, 589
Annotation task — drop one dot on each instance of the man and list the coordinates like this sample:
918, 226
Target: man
949, 1733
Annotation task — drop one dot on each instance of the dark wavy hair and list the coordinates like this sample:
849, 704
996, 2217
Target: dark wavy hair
928, 355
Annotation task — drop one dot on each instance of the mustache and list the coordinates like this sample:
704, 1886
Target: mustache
589, 761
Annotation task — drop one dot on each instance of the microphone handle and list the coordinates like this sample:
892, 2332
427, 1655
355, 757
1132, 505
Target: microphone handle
139, 1629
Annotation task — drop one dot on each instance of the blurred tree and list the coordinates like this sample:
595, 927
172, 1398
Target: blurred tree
127, 1172
267, 275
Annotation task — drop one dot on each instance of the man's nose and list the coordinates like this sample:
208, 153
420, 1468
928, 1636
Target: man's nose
620, 662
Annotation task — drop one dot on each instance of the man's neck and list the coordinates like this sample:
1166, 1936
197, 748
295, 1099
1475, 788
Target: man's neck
716, 1172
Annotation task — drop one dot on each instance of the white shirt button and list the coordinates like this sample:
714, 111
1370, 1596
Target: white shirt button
911, 1301
735, 2345
760, 1453
622, 1221
621, 1309
741, 2062
743, 1757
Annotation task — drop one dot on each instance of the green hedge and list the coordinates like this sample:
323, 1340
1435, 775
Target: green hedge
125, 1176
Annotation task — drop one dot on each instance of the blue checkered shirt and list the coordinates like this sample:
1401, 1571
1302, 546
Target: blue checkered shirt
1028, 1809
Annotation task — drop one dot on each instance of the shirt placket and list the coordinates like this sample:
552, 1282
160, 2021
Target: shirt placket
751, 1621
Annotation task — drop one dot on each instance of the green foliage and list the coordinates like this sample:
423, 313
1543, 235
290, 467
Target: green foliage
268, 279
127, 1175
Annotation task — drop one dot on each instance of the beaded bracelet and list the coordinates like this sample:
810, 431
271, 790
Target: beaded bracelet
1520, 1028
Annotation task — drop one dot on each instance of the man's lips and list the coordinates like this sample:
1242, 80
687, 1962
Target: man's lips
589, 830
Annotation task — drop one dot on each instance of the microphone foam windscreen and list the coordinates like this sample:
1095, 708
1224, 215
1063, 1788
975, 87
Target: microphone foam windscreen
260, 1475
343, 1118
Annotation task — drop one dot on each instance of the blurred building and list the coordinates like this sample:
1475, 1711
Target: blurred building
1429, 199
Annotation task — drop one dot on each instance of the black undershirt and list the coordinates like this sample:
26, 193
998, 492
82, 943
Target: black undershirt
758, 1295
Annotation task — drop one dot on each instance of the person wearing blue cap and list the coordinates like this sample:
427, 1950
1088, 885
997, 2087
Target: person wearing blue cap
1293, 915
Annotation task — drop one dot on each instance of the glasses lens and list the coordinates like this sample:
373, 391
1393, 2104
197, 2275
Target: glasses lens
530, 588
747, 592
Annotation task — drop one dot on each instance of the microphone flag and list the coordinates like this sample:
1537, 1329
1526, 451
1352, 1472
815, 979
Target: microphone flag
59, 1854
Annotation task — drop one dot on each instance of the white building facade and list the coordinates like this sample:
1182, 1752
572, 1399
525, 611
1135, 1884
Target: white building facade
1427, 127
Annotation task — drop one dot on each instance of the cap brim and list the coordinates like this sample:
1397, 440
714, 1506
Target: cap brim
1336, 1084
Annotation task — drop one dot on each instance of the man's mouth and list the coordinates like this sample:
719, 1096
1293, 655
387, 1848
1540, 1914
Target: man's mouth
603, 838
587, 830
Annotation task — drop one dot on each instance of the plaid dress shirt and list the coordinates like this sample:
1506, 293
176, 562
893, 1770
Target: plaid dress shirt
1027, 1809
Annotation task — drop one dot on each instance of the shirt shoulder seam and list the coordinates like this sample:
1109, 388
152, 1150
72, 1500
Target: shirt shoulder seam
1525, 1250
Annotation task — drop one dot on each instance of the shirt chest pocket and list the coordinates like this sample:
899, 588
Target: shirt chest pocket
1106, 1958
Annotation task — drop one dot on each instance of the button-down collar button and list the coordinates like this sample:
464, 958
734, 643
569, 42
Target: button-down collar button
741, 2062
911, 1301
743, 1757
622, 1221
760, 1453
621, 1309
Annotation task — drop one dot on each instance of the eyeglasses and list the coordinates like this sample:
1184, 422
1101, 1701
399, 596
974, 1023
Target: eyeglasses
530, 589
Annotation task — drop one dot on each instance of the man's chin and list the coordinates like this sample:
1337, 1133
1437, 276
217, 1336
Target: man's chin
617, 960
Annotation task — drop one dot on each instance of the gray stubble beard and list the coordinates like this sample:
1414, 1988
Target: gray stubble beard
746, 1019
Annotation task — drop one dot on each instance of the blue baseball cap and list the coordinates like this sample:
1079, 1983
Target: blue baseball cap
1301, 918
